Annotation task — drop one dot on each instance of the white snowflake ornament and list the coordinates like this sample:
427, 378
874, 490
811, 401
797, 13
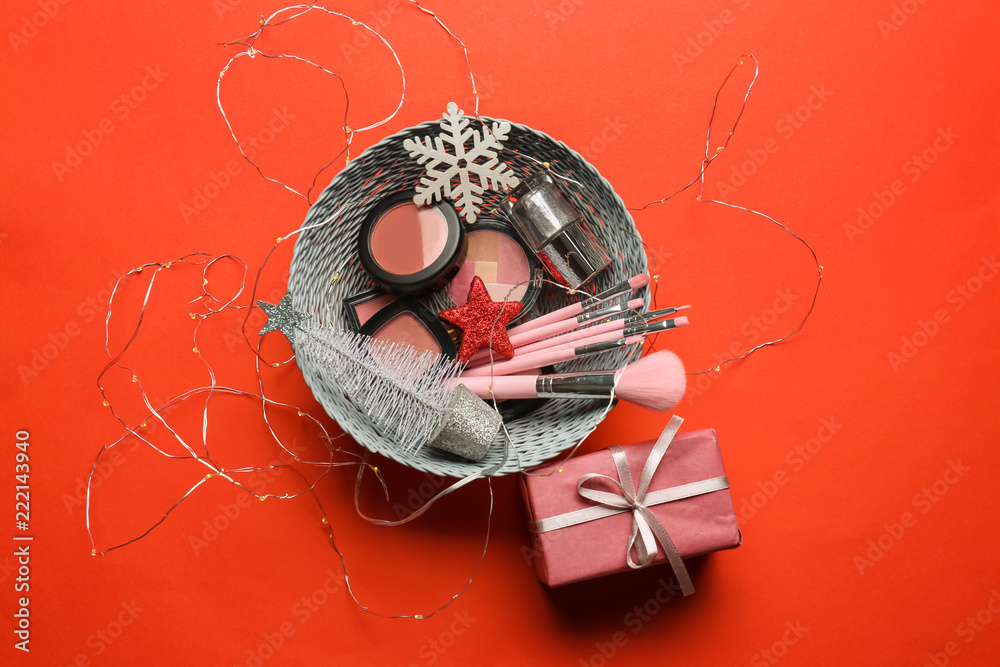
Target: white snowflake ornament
479, 160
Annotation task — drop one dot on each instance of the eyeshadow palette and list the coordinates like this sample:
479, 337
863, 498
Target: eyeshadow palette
409, 323
495, 254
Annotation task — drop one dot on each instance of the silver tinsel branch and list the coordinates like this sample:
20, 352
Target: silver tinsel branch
403, 390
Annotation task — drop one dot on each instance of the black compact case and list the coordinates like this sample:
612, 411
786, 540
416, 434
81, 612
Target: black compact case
375, 246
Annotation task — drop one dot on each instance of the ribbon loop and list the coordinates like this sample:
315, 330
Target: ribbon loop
647, 530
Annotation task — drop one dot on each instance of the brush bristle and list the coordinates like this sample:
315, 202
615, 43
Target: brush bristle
657, 381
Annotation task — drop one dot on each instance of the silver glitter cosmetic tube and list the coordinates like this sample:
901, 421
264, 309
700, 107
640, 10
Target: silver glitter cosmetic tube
469, 426
555, 230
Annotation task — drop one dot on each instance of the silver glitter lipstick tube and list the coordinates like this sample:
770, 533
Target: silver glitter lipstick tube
555, 230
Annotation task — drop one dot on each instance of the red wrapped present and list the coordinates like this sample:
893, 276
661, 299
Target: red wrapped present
588, 517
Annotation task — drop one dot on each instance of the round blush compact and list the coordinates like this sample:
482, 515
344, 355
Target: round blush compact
496, 254
411, 249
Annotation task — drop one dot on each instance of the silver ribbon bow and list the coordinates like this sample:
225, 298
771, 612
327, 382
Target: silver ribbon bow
647, 530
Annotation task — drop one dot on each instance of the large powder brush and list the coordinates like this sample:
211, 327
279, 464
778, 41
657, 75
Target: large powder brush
657, 381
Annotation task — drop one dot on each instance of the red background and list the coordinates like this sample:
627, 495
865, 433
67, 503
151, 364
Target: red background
847, 97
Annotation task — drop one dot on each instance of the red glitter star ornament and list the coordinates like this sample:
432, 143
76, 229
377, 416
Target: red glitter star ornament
476, 319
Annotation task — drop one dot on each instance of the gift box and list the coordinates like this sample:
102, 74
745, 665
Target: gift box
630, 507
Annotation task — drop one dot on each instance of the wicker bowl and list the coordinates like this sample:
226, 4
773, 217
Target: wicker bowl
325, 269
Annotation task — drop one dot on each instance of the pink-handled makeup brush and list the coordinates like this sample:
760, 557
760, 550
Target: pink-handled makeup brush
657, 382
572, 310
554, 356
586, 333
556, 328
601, 342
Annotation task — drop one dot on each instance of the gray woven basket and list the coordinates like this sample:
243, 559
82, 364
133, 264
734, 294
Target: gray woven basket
325, 269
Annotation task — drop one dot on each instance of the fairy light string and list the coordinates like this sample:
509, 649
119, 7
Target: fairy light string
213, 305
465, 52
286, 14
278, 18
249, 42
217, 306
709, 158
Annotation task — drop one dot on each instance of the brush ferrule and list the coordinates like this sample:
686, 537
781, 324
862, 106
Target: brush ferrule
597, 348
601, 313
650, 316
649, 328
621, 288
592, 302
577, 385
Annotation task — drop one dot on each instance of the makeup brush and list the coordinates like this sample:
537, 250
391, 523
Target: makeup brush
552, 356
602, 342
556, 328
572, 310
586, 333
657, 382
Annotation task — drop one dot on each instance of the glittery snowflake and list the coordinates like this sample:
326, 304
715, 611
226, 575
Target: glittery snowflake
465, 173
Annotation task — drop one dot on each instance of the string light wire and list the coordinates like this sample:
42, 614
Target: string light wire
709, 158
215, 306
296, 11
